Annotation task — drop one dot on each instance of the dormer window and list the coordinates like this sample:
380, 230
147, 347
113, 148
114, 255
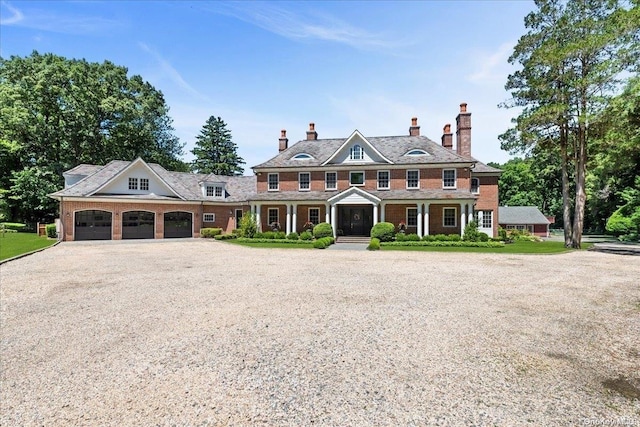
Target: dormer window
416, 152
302, 156
214, 191
356, 153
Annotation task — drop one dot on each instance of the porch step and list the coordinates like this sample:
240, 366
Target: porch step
353, 239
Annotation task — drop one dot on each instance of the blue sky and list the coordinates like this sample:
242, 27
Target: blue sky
263, 67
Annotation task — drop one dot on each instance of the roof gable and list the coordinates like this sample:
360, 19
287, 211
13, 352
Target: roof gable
354, 195
356, 144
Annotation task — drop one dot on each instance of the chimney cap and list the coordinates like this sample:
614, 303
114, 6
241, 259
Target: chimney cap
283, 133
463, 107
312, 126
414, 121
447, 128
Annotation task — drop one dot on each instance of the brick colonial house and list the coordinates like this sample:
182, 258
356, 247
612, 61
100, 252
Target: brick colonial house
351, 183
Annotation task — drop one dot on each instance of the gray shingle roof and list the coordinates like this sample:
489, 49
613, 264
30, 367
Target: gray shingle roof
482, 168
83, 169
391, 147
521, 215
381, 194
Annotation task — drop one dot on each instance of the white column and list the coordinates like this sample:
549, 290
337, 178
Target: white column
463, 217
419, 219
383, 206
258, 220
470, 210
480, 215
426, 219
375, 214
334, 220
288, 225
327, 214
294, 220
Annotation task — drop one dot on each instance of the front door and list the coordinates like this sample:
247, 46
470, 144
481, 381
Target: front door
356, 220
238, 217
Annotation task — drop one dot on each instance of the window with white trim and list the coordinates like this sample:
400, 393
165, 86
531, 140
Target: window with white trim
356, 178
475, 185
273, 216
214, 191
487, 219
383, 180
218, 191
208, 217
413, 179
448, 178
274, 181
304, 181
356, 153
412, 217
330, 180
144, 184
449, 217
314, 216
133, 183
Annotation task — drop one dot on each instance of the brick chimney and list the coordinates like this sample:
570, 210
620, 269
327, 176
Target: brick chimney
414, 130
463, 131
312, 135
284, 141
447, 137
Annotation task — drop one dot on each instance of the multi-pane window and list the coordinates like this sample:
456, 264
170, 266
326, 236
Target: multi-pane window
218, 191
209, 217
304, 181
273, 217
314, 215
331, 180
383, 180
356, 178
412, 217
413, 179
274, 181
487, 219
449, 217
449, 178
133, 183
211, 190
356, 153
475, 185
144, 184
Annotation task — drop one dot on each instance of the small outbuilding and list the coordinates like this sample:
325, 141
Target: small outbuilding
524, 218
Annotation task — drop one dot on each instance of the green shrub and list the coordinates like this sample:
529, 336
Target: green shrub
448, 244
384, 231
322, 230
413, 237
306, 235
51, 231
266, 235
14, 226
281, 235
483, 237
441, 238
225, 236
283, 241
619, 224
453, 237
374, 244
323, 242
248, 227
292, 236
429, 238
210, 232
502, 234
235, 231
471, 233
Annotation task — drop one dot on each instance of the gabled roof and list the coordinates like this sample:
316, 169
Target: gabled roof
482, 168
521, 215
354, 135
392, 148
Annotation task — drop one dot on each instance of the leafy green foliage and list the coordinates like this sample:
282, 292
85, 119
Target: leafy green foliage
51, 231
17, 226
625, 221
293, 236
448, 244
412, 237
225, 236
210, 232
323, 242
384, 231
215, 151
306, 235
248, 226
471, 233
374, 244
323, 229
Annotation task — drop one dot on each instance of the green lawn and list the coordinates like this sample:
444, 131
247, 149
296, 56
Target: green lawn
13, 244
519, 247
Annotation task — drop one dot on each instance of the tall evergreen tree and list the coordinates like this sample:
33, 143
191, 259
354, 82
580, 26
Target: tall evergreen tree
215, 151
572, 58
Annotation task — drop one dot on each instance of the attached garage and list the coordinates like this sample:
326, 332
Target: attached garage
178, 224
92, 225
138, 225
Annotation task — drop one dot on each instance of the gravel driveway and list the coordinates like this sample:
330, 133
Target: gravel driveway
203, 333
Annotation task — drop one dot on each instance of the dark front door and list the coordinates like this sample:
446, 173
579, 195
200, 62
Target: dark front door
92, 225
356, 220
177, 224
138, 225
238, 217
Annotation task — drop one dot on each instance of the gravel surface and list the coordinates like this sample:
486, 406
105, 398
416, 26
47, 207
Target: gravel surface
202, 333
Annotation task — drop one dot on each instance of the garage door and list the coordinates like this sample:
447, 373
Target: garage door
92, 225
138, 225
177, 224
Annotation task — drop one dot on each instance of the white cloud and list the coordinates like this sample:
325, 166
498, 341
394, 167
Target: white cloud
313, 25
492, 66
15, 16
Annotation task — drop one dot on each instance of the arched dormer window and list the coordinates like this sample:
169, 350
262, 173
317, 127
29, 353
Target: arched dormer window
416, 152
302, 156
356, 153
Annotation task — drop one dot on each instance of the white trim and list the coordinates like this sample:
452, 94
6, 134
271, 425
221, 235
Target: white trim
301, 156
407, 179
477, 187
325, 180
348, 141
269, 215
422, 152
352, 152
204, 216
388, 187
365, 195
300, 181
406, 217
309, 215
277, 174
455, 179
455, 216
363, 179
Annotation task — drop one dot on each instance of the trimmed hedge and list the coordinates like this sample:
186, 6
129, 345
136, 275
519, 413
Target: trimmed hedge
292, 236
442, 238
285, 241
225, 236
383, 231
323, 242
448, 244
401, 237
374, 244
209, 233
306, 235
323, 229
51, 231
14, 226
